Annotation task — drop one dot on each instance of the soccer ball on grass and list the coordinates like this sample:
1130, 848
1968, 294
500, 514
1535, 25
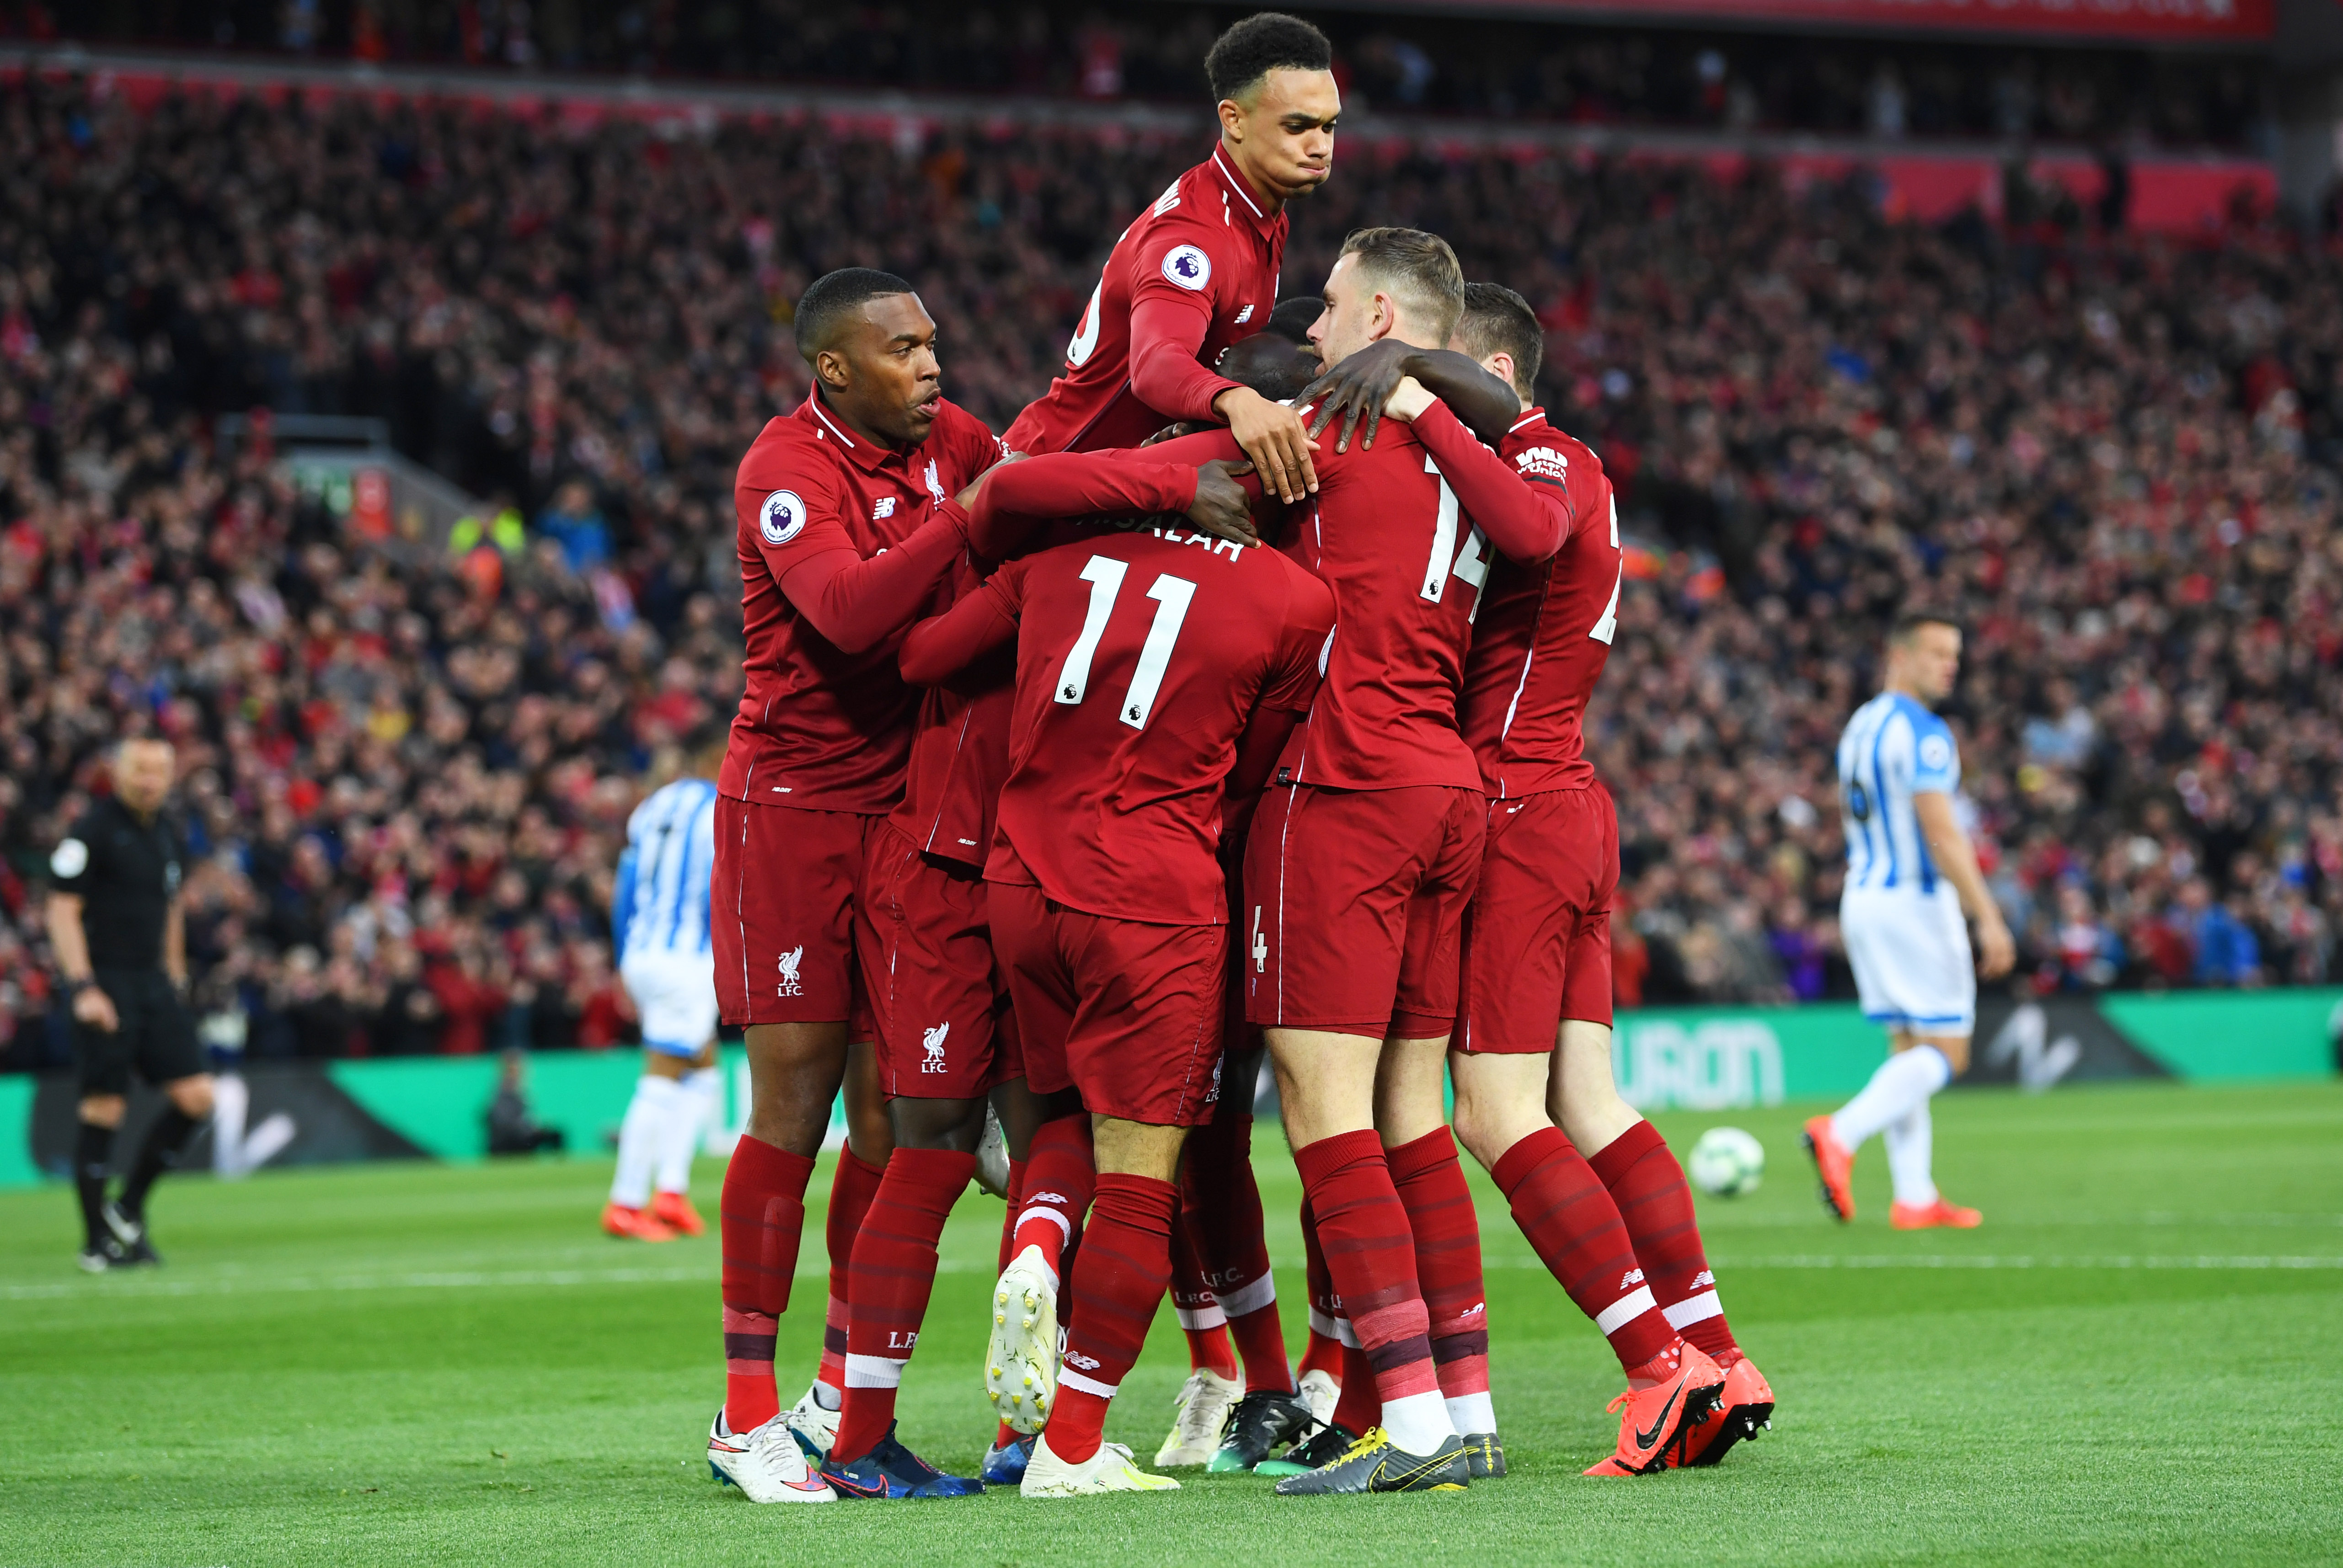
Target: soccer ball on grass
1727, 1162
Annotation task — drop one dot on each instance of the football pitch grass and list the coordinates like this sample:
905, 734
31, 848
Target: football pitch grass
2136, 1359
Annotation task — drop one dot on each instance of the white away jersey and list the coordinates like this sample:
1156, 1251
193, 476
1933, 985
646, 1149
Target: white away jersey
1892, 749
661, 902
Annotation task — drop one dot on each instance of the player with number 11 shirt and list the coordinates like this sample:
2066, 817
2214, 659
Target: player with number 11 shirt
1157, 671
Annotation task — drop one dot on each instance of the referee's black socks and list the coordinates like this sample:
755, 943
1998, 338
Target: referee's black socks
92, 1149
160, 1152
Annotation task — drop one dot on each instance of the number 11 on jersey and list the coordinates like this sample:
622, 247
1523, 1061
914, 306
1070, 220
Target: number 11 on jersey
1171, 595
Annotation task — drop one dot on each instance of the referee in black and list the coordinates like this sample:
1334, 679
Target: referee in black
114, 923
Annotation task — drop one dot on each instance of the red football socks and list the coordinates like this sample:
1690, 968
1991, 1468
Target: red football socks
1058, 1179
1371, 1256
1124, 1267
1324, 1351
1648, 1186
1360, 1407
1202, 1320
759, 1219
1570, 1221
852, 1187
1220, 1213
894, 1271
1431, 1185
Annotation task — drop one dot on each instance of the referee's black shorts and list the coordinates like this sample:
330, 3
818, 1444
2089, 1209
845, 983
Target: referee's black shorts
157, 1036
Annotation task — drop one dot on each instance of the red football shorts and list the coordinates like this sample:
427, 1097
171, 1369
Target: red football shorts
780, 914
926, 954
1537, 940
1355, 899
1127, 1013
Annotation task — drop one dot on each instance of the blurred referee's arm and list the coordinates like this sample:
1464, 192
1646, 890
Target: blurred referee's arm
1952, 853
90, 1005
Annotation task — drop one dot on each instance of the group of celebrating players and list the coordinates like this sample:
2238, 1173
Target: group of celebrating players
1032, 721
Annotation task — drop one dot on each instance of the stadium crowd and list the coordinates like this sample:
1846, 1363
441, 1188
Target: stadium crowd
406, 765
1453, 65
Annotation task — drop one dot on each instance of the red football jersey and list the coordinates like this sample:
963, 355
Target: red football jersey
1141, 658
1205, 247
1545, 629
960, 754
1406, 565
819, 728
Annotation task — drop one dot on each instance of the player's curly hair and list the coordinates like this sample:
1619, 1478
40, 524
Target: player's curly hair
1416, 268
1496, 320
1264, 42
831, 298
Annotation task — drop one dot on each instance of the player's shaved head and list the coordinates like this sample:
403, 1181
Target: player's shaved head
833, 302
1498, 321
872, 348
1270, 363
1264, 42
1293, 318
142, 769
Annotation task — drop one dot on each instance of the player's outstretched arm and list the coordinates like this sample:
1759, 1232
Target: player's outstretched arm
1013, 499
1361, 385
942, 646
1526, 522
1956, 858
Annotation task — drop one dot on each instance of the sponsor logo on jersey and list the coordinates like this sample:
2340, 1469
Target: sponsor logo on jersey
882, 508
1543, 463
788, 967
1936, 752
1188, 265
1244, 316
782, 518
932, 1042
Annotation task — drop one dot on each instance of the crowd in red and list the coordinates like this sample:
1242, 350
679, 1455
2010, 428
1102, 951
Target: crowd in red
406, 764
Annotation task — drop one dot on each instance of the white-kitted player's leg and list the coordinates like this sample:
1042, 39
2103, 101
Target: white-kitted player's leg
1902, 1084
640, 1136
1911, 1141
688, 1117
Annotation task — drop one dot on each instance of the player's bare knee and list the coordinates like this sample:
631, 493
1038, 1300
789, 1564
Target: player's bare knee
956, 1125
1955, 1047
104, 1109
192, 1095
1137, 1148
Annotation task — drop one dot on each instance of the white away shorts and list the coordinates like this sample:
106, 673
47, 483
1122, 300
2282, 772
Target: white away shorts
1910, 951
675, 996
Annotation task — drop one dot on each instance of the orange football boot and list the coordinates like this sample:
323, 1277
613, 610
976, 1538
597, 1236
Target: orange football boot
1835, 1163
1744, 1409
633, 1224
1681, 1385
674, 1210
1926, 1216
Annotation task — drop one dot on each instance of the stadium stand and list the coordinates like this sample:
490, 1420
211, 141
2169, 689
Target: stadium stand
407, 761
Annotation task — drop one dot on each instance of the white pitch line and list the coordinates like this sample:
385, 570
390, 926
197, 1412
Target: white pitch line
538, 1279
467, 1279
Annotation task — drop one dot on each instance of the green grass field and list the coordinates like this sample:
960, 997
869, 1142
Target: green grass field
2134, 1359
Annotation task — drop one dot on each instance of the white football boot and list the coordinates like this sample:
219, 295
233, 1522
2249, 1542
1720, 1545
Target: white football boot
766, 1464
1021, 1357
1322, 1393
1197, 1417
1109, 1470
813, 1424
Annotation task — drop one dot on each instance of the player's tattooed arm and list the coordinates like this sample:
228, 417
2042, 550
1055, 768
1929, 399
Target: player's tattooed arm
1357, 389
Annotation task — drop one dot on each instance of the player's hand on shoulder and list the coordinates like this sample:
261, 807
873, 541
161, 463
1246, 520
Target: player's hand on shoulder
966, 499
1358, 388
1408, 399
1222, 509
1273, 436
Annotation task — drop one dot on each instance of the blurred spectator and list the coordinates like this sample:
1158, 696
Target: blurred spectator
512, 1130
2225, 952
